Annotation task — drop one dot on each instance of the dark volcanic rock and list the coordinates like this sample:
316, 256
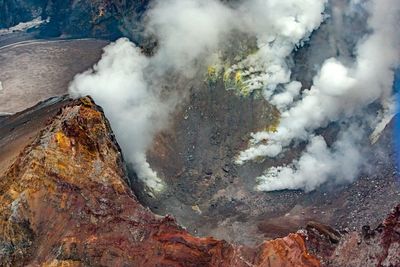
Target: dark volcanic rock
371, 247
13, 12
65, 200
194, 156
87, 18
209, 194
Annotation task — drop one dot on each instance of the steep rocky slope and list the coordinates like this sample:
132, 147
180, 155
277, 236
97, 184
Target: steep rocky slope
13, 12
19, 130
65, 201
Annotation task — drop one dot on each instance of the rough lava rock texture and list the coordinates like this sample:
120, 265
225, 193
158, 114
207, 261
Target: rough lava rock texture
65, 201
371, 247
210, 195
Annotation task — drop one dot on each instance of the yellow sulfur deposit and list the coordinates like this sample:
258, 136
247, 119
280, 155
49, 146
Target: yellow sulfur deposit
238, 77
62, 140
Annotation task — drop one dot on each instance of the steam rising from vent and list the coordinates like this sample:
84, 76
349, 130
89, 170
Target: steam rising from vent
340, 93
194, 34
118, 83
128, 85
317, 163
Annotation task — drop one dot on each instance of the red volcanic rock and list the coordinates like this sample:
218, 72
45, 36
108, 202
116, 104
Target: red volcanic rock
287, 251
65, 201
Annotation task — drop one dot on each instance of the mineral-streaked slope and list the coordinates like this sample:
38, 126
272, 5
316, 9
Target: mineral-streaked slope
20, 129
65, 201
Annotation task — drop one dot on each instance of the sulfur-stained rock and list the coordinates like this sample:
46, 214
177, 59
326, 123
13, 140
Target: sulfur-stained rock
65, 201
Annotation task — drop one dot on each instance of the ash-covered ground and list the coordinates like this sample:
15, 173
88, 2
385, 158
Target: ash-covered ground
210, 195
34, 70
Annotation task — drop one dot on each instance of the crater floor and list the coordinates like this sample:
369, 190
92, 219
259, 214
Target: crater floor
210, 195
206, 192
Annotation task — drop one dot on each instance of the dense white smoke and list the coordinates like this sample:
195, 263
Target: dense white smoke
128, 84
280, 27
190, 32
339, 93
317, 163
187, 31
118, 83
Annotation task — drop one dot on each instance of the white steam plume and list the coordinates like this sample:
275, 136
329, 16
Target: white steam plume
128, 85
118, 83
279, 26
318, 163
339, 93
187, 31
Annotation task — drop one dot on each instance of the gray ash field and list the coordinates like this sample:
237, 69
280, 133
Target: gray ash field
32, 71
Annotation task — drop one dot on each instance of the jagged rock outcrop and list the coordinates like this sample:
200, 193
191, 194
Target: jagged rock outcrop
65, 201
370, 247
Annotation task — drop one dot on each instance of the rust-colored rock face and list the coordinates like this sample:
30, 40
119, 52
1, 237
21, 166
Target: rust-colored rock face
285, 252
65, 201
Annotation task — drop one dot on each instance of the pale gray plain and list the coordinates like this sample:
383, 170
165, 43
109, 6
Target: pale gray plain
33, 71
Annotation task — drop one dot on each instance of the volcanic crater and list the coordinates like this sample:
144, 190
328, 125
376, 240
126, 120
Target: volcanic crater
205, 191
211, 195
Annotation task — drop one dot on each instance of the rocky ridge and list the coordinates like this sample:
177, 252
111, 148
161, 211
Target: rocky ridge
66, 201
